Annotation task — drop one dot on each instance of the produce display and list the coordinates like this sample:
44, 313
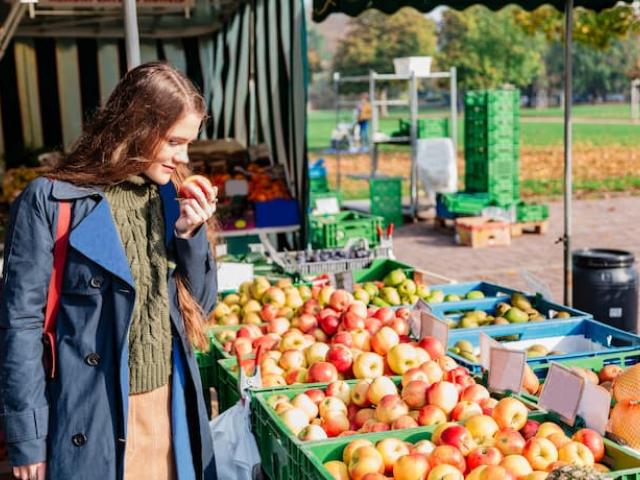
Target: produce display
428, 396
518, 310
396, 289
504, 444
349, 373
263, 183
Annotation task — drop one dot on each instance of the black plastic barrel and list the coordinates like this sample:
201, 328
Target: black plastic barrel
605, 284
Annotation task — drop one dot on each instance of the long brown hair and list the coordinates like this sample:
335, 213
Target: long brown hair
122, 139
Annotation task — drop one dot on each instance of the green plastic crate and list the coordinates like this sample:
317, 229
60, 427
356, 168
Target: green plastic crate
334, 231
470, 204
379, 268
427, 128
531, 212
386, 199
625, 463
623, 359
206, 367
313, 196
319, 184
228, 393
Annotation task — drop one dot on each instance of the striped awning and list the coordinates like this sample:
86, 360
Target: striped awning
323, 8
252, 72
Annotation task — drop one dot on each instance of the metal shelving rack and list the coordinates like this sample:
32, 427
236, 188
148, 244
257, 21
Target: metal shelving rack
412, 102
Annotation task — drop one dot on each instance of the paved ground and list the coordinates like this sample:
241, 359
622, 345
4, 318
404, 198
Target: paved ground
605, 223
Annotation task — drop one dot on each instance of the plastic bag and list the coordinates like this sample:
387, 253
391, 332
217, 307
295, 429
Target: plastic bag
437, 167
234, 444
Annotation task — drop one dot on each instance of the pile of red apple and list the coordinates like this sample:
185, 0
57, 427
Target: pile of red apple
343, 340
504, 445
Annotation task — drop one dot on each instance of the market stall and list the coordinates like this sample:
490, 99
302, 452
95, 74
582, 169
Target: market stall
370, 371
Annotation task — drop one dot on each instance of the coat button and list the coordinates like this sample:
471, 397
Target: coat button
93, 359
79, 439
96, 282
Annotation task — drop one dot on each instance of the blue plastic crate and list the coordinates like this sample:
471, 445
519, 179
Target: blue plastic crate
452, 311
462, 289
277, 213
605, 339
317, 169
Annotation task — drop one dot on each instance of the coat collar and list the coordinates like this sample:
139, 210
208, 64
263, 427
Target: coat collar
96, 235
68, 191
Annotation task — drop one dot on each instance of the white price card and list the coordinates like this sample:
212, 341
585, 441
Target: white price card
486, 344
562, 392
506, 370
594, 407
432, 326
414, 318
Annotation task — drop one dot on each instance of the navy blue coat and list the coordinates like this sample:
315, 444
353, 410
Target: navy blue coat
77, 421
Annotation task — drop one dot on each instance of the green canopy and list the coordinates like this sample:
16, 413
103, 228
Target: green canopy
323, 8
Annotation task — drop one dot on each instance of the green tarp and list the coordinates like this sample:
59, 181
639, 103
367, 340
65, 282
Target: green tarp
323, 8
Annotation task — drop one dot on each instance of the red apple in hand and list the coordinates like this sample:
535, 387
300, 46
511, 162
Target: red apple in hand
194, 182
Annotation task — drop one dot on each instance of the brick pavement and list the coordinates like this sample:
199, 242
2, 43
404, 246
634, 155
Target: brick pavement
605, 223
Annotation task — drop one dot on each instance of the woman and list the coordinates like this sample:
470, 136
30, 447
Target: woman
126, 399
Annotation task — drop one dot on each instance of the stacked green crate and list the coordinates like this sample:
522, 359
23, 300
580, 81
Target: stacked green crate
492, 144
386, 199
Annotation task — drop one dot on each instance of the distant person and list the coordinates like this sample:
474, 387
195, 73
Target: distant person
364, 117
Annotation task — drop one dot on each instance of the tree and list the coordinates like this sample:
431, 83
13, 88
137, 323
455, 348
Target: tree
315, 49
596, 73
594, 29
374, 39
489, 49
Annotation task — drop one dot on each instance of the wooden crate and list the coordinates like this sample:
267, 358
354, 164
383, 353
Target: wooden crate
539, 228
478, 232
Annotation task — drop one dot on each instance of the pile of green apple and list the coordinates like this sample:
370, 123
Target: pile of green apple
518, 310
246, 306
396, 289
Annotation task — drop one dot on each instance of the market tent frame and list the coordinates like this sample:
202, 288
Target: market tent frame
323, 8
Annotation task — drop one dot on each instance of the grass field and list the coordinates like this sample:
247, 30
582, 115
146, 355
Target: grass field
534, 133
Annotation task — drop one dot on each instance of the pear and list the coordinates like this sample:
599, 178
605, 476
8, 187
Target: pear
362, 295
390, 295
562, 315
520, 301
437, 296
394, 278
474, 295
515, 315
502, 308
371, 289
379, 302
422, 290
468, 321
232, 299
500, 321
407, 288
464, 346
452, 297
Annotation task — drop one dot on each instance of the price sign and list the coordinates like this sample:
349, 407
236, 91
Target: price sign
486, 344
344, 280
415, 323
594, 407
506, 369
562, 392
432, 326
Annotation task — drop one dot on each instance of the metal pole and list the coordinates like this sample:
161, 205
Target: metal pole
131, 37
568, 142
336, 89
453, 86
413, 102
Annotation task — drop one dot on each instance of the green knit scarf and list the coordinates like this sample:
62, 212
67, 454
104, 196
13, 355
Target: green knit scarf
136, 206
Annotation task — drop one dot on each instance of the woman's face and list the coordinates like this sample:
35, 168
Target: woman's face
172, 150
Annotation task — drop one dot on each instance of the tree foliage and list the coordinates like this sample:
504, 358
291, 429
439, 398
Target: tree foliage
374, 39
488, 48
598, 30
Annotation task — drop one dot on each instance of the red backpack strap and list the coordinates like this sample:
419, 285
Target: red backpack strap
60, 248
